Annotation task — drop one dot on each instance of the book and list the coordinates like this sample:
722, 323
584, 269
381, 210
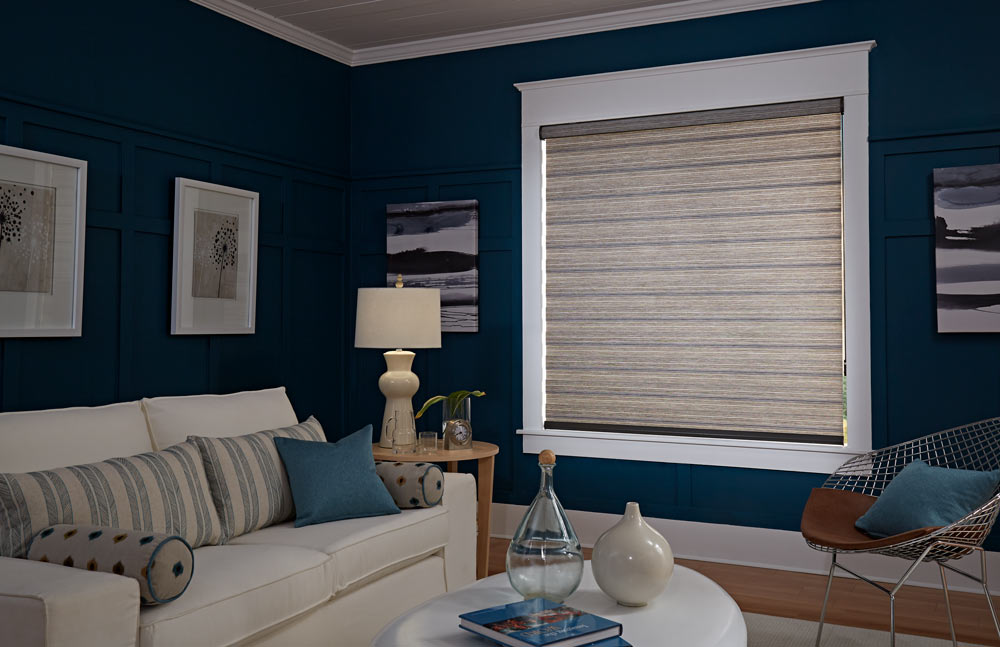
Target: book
540, 623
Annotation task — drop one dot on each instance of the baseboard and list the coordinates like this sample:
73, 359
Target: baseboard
761, 547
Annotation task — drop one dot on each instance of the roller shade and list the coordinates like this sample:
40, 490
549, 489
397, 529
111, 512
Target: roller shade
693, 274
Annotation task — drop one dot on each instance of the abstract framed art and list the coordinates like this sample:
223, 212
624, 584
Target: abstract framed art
43, 214
436, 245
967, 248
215, 259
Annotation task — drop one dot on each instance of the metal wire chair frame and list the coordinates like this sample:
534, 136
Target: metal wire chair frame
975, 446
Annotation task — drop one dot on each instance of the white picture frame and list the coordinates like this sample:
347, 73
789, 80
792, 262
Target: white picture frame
214, 287
43, 221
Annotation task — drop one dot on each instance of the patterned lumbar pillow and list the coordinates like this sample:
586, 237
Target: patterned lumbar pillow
247, 478
164, 492
412, 485
162, 564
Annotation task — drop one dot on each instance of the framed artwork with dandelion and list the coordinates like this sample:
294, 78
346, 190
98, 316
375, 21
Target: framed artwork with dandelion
42, 226
215, 259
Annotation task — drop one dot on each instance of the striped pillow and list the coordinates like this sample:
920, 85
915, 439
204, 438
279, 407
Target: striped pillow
247, 478
164, 492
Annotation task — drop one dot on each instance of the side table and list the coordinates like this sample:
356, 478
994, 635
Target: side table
483, 453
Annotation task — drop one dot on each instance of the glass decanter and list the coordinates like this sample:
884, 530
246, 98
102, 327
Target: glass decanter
544, 559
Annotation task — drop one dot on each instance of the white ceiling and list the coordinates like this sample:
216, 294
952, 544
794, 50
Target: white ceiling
358, 32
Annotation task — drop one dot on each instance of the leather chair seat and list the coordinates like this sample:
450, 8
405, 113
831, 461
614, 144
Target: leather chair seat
829, 516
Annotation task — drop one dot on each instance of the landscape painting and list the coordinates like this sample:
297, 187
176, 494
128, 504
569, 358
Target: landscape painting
967, 248
216, 255
435, 245
27, 237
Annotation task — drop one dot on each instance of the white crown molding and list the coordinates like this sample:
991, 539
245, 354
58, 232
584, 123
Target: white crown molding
675, 11
283, 30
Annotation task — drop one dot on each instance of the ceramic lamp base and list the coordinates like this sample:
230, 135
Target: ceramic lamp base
398, 384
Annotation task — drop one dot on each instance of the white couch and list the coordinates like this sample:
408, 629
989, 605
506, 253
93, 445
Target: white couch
331, 584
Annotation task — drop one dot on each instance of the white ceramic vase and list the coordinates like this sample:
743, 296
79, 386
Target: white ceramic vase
632, 563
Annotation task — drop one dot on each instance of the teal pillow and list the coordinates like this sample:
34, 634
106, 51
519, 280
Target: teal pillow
922, 496
332, 481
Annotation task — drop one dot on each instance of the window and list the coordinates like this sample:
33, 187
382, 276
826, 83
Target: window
685, 231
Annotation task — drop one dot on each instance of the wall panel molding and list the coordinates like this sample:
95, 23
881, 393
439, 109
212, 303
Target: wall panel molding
126, 346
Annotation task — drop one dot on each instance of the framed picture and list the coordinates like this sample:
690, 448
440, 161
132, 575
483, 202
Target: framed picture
967, 248
43, 212
436, 245
215, 259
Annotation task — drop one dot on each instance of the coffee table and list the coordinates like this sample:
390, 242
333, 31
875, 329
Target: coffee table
693, 611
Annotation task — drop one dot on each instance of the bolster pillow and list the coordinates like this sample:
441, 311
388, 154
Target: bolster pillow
161, 563
412, 485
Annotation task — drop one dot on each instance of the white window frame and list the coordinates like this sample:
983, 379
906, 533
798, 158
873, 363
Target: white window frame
817, 73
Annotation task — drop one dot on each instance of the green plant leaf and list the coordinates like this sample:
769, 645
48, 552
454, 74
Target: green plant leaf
430, 401
454, 400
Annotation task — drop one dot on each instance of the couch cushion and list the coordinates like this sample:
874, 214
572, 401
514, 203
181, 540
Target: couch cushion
238, 591
247, 478
173, 419
159, 491
40, 440
367, 546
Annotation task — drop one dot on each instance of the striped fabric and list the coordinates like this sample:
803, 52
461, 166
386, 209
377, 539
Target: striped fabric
247, 478
164, 492
694, 280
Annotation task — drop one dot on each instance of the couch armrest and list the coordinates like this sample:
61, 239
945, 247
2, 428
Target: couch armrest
460, 553
50, 605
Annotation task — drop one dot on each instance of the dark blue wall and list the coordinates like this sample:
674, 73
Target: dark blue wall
447, 127
146, 92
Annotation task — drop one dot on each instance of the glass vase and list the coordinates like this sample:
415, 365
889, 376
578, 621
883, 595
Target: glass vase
544, 559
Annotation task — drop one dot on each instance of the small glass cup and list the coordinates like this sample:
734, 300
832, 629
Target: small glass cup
404, 436
428, 442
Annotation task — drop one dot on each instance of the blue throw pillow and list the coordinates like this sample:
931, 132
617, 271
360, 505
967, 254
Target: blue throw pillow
332, 481
922, 496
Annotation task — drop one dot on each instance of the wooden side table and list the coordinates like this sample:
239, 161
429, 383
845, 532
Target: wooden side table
480, 451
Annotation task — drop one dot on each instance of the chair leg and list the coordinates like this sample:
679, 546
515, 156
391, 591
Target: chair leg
986, 590
895, 590
947, 604
826, 598
892, 620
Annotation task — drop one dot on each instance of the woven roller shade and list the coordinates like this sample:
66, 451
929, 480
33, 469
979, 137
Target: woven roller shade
694, 280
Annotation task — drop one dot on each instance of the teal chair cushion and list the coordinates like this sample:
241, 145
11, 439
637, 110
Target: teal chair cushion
923, 496
333, 481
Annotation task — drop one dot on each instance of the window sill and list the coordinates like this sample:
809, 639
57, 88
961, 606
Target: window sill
784, 456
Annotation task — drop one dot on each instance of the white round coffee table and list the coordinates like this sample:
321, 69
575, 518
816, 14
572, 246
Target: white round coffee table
693, 611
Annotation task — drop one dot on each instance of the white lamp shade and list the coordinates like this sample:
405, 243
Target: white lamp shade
398, 318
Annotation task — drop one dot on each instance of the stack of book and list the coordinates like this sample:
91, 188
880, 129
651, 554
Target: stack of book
541, 623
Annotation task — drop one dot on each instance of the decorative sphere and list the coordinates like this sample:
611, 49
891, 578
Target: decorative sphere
547, 457
632, 562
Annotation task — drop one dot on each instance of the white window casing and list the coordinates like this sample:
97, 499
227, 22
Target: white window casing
819, 73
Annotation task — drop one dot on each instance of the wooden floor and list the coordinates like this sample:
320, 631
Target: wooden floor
919, 610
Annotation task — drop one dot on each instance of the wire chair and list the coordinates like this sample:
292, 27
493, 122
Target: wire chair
972, 447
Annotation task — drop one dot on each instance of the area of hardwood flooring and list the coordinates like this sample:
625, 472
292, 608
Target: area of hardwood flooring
772, 592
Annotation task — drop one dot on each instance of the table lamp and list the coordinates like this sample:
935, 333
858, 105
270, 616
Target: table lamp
398, 318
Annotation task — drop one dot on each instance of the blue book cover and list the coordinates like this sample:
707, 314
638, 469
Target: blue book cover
540, 623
